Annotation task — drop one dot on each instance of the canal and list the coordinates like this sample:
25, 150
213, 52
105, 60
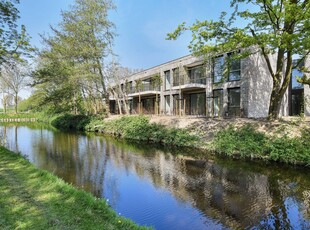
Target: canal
169, 189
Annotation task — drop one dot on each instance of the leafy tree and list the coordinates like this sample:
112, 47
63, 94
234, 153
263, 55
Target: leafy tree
304, 79
277, 29
14, 41
73, 62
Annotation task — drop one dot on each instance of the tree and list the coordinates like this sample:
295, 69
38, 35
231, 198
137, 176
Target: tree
304, 79
14, 78
14, 42
79, 48
272, 27
6, 100
157, 82
139, 88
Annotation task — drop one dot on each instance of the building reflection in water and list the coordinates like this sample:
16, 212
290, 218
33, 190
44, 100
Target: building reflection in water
165, 189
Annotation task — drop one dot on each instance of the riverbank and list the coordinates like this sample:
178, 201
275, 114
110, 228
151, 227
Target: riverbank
287, 140
18, 117
31, 198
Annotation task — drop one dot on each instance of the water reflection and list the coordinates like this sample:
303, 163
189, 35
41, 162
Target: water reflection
167, 190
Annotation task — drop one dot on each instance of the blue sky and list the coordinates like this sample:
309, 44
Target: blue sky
141, 25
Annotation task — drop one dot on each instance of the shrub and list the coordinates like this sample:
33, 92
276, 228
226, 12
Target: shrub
70, 122
244, 141
139, 128
247, 142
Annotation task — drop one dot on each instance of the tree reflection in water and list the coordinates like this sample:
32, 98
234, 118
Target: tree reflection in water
171, 189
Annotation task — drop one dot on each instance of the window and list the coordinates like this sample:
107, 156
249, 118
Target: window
167, 80
198, 104
129, 88
178, 104
218, 69
197, 75
234, 102
217, 102
234, 68
176, 77
295, 83
167, 104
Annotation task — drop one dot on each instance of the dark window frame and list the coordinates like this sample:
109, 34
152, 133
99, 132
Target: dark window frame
222, 70
230, 70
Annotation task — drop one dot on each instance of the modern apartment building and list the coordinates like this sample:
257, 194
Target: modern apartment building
189, 86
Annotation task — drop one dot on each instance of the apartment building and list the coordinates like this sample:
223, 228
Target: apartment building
190, 86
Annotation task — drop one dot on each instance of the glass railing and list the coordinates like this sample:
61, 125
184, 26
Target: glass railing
184, 80
143, 88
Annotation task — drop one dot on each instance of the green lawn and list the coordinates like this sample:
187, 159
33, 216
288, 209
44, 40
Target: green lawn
31, 198
18, 115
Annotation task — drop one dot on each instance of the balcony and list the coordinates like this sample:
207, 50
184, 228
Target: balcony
185, 81
145, 89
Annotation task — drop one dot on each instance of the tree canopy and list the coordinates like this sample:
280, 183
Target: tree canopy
71, 68
271, 27
14, 41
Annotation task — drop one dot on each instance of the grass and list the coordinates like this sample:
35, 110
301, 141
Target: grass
140, 129
31, 198
18, 115
136, 128
246, 142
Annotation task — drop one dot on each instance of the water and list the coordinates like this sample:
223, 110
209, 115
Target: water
170, 190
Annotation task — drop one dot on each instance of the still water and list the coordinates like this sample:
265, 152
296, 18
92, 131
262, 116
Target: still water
170, 189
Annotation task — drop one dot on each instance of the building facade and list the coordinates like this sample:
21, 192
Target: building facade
222, 88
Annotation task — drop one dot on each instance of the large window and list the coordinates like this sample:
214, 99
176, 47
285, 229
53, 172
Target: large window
295, 83
234, 102
167, 80
296, 92
197, 75
198, 104
234, 68
176, 77
167, 104
218, 68
217, 102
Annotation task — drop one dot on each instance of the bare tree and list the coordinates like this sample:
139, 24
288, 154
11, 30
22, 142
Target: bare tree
13, 78
119, 86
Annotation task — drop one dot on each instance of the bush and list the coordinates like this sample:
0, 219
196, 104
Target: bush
244, 141
70, 122
247, 142
139, 128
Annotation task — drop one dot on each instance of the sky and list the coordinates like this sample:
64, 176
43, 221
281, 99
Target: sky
141, 25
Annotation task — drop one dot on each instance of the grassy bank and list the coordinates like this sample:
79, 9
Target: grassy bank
247, 142
18, 115
136, 128
227, 138
35, 199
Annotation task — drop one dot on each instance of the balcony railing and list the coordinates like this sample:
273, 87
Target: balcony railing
142, 88
184, 80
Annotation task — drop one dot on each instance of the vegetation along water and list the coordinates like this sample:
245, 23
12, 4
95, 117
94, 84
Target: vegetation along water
166, 188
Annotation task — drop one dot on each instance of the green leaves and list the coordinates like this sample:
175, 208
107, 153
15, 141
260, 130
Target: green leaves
71, 68
267, 26
14, 42
248, 143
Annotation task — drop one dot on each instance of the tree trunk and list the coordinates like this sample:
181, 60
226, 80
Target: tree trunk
140, 104
280, 85
119, 106
274, 106
4, 104
16, 101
